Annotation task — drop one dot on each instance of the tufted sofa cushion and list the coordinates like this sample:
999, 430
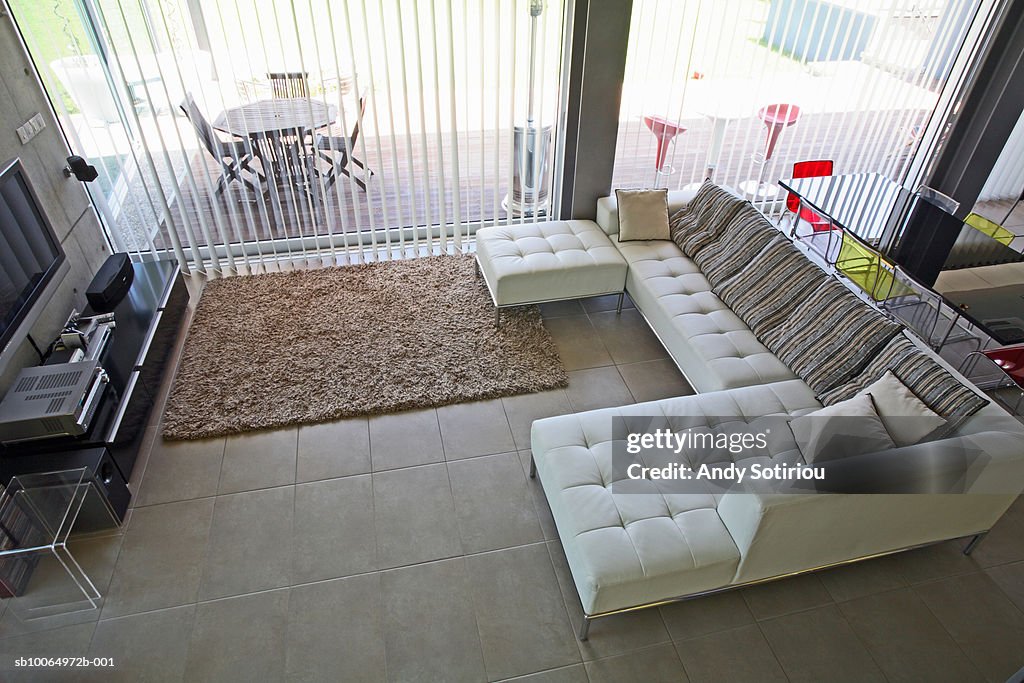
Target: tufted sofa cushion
766, 291
935, 387
714, 347
702, 221
541, 261
630, 549
830, 336
746, 234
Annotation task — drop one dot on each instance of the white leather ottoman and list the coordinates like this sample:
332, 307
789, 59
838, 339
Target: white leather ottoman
539, 262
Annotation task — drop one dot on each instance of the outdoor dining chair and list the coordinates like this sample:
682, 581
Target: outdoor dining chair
289, 84
234, 155
250, 90
338, 150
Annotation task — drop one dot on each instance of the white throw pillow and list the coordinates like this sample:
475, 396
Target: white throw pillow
842, 430
905, 417
643, 215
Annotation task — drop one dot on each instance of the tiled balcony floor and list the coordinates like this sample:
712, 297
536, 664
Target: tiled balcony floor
414, 547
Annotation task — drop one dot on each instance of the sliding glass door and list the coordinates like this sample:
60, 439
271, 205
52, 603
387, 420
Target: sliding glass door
747, 88
313, 131
317, 131
73, 61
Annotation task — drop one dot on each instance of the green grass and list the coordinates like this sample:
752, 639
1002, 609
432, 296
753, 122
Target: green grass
53, 29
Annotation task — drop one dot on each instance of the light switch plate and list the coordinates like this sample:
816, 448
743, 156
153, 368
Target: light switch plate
31, 128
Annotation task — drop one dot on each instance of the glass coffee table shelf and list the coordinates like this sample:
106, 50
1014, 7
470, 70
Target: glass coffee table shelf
39, 514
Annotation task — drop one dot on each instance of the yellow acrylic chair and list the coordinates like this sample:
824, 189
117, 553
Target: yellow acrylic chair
901, 297
990, 228
868, 270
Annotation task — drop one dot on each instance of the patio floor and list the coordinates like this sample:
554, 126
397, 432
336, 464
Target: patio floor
482, 188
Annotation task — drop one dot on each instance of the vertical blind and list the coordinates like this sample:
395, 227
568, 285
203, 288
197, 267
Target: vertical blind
860, 82
1006, 181
443, 84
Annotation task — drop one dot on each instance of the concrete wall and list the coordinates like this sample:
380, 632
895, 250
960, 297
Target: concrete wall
598, 59
64, 200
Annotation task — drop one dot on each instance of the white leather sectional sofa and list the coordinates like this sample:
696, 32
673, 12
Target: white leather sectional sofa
629, 551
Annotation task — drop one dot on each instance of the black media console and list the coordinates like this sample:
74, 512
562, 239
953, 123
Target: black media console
146, 326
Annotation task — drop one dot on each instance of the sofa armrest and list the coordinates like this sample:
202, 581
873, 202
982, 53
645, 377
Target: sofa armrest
608, 210
778, 534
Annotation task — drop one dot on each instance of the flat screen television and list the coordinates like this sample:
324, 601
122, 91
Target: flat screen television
32, 261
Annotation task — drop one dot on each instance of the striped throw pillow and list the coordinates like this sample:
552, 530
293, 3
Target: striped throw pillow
702, 221
745, 235
767, 290
928, 380
830, 336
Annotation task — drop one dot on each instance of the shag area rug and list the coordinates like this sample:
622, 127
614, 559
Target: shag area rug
308, 346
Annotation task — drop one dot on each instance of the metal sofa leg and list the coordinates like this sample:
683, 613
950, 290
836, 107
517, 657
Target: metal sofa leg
973, 543
533, 467
497, 316
618, 308
584, 631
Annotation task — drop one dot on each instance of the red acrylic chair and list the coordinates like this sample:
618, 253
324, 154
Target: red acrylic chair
1009, 360
802, 216
665, 131
809, 169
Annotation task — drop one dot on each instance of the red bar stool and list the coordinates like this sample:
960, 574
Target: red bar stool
665, 131
776, 118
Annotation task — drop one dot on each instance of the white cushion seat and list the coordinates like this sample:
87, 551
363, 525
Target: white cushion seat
629, 549
675, 296
537, 262
637, 543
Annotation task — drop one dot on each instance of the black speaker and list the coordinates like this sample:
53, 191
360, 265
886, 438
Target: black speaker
111, 283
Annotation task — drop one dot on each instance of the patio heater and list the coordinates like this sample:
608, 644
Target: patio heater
530, 145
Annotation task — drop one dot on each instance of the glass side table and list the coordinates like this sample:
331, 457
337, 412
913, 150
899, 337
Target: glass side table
38, 513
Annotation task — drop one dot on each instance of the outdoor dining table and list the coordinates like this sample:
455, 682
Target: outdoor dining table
278, 131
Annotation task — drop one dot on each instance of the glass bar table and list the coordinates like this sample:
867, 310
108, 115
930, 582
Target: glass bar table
872, 208
868, 205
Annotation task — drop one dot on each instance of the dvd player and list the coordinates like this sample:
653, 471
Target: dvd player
51, 401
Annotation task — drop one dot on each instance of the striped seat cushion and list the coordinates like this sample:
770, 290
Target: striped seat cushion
830, 336
745, 235
767, 290
702, 221
929, 381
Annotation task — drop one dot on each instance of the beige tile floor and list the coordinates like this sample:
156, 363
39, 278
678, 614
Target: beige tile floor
413, 547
